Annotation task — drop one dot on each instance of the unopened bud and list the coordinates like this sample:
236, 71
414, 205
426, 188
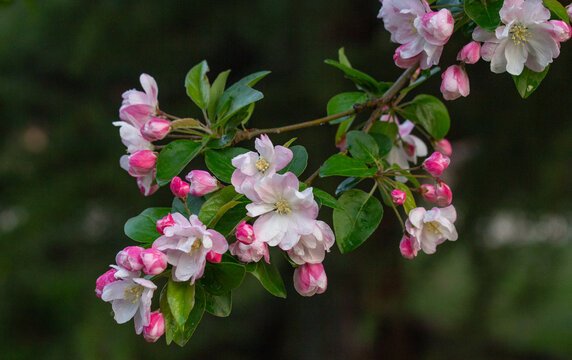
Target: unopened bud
398, 196
155, 129
310, 279
245, 233
455, 83
443, 194
561, 31
436, 164
154, 261
164, 222
142, 162
214, 257
428, 192
444, 147
130, 258
408, 247
470, 53
107, 278
156, 327
202, 183
179, 188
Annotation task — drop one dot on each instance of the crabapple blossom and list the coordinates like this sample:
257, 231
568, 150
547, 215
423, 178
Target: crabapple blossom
131, 137
187, 243
398, 196
130, 297
428, 192
408, 247
214, 257
312, 248
561, 30
470, 53
310, 279
179, 188
443, 194
408, 148
164, 222
436, 164
141, 163
137, 106
284, 213
455, 83
251, 252
154, 261
251, 167
245, 233
431, 228
130, 258
156, 327
202, 182
107, 278
443, 146
155, 129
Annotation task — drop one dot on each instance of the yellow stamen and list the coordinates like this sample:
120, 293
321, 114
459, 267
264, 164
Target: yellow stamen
262, 165
133, 293
196, 245
282, 207
519, 34
433, 227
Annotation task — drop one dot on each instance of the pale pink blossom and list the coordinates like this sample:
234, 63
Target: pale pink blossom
444, 147
470, 53
443, 194
409, 247
131, 137
310, 279
436, 164
428, 192
130, 298
433, 227
407, 149
164, 222
130, 258
156, 327
525, 39
398, 196
214, 257
147, 184
252, 252
455, 83
187, 244
312, 248
561, 30
402, 61
154, 261
202, 182
179, 188
139, 164
107, 278
245, 233
284, 213
137, 106
155, 129
254, 166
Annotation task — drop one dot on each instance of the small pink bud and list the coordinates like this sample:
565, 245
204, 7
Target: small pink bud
561, 31
156, 327
164, 222
428, 192
202, 182
443, 194
436, 164
245, 233
179, 188
214, 257
130, 258
470, 53
107, 278
310, 279
408, 247
154, 261
142, 162
444, 147
455, 83
155, 129
398, 196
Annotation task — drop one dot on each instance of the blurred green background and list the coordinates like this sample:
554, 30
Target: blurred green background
502, 291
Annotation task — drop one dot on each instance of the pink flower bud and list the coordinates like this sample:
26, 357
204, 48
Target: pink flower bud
443, 194
142, 162
428, 192
245, 233
408, 247
470, 53
165, 222
214, 257
436, 164
444, 147
561, 31
179, 188
130, 258
400, 57
154, 261
107, 278
455, 83
398, 196
155, 129
436, 27
202, 182
156, 327
310, 279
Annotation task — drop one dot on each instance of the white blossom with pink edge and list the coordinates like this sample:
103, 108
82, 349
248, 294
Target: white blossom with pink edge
251, 167
407, 149
284, 213
526, 39
187, 244
455, 83
312, 248
137, 106
156, 327
310, 279
130, 298
202, 182
470, 53
252, 252
433, 227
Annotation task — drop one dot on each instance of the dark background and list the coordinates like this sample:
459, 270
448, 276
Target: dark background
502, 291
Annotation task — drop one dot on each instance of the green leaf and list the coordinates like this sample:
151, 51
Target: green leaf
383, 143
220, 305
182, 337
407, 175
299, 161
362, 80
342, 165
342, 129
431, 113
224, 141
343, 58
347, 184
197, 84
484, 13
409, 203
143, 227
528, 81
223, 277
359, 216
231, 219
240, 117
362, 146
171, 326
325, 198
174, 157
344, 102
270, 278
388, 129
181, 299
558, 9
193, 202
219, 162
217, 203
216, 91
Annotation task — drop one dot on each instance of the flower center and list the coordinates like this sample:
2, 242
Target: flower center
133, 293
282, 206
262, 165
433, 227
196, 245
519, 34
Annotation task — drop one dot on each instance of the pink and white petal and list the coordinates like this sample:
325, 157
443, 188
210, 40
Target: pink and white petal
283, 156
145, 283
115, 290
265, 148
219, 243
498, 61
289, 240
449, 212
416, 217
149, 84
534, 12
255, 210
124, 310
515, 58
512, 11
270, 228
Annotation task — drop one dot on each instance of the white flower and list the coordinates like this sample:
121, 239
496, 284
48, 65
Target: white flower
312, 248
408, 148
431, 228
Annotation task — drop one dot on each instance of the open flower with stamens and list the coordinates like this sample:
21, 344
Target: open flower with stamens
526, 39
130, 298
187, 243
431, 228
285, 213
